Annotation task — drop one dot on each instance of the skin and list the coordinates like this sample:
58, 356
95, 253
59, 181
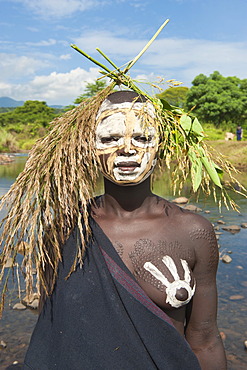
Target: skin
141, 227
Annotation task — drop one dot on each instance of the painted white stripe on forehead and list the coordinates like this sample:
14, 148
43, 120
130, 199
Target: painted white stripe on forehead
107, 105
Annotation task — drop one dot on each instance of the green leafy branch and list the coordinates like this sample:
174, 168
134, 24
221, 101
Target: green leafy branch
181, 132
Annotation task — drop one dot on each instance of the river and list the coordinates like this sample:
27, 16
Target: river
16, 326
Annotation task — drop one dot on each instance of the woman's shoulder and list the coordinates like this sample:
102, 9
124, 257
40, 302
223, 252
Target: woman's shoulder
185, 217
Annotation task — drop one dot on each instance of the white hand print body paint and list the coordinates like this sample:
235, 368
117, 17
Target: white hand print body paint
171, 288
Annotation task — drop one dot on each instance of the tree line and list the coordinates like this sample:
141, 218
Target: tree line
216, 100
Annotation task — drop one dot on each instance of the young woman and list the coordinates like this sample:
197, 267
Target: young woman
146, 295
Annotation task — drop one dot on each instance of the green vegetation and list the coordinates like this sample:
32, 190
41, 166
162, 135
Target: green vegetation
219, 102
22, 126
175, 95
91, 89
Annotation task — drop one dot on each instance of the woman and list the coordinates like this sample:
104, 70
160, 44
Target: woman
149, 275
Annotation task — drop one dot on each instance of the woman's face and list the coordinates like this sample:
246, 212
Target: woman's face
126, 146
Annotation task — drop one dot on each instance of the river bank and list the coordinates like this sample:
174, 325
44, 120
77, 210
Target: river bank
233, 151
6, 158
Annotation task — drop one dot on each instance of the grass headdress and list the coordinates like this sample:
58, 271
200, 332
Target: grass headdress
50, 197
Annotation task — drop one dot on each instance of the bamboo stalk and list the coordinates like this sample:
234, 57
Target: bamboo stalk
108, 59
90, 58
146, 47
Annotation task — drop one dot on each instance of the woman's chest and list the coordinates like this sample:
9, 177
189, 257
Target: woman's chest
161, 261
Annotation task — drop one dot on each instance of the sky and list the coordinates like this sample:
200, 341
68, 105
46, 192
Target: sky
38, 63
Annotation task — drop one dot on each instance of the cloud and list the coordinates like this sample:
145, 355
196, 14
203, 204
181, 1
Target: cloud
49, 42
15, 67
173, 57
55, 88
191, 57
58, 8
65, 57
111, 44
181, 59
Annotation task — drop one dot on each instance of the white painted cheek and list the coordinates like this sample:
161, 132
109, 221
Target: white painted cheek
113, 125
144, 162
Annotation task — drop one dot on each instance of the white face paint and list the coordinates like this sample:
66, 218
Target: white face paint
126, 143
171, 288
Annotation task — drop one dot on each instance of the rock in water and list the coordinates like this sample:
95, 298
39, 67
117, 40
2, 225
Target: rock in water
226, 259
223, 335
180, 200
19, 306
232, 228
3, 344
236, 297
191, 207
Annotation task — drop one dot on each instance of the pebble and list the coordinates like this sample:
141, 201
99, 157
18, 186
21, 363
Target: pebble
19, 306
207, 212
34, 305
180, 200
221, 222
245, 344
239, 267
216, 227
232, 228
244, 283
236, 297
191, 207
3, 344
223, 335
244, 225
226, 259
29, 299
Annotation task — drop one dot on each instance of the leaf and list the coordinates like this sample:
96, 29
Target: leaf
197, 128
210, 168
186, 123
196, 170
165, 104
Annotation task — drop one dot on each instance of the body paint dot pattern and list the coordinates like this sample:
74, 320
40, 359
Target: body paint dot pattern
209, 236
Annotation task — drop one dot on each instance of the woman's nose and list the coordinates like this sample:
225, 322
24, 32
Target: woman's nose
126, 151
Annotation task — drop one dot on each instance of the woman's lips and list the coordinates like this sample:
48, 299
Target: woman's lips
127, 166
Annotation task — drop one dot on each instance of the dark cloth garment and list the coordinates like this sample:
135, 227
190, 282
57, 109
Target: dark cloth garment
100, 319
239, 133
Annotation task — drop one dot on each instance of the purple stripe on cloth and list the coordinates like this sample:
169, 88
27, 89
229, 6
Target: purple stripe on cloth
133, 288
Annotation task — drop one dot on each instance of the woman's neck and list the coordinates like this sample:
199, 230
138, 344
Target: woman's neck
127, 198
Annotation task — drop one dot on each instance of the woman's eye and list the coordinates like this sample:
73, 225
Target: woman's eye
143, 139
109, 139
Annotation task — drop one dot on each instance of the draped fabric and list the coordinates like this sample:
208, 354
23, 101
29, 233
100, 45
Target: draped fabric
100, 318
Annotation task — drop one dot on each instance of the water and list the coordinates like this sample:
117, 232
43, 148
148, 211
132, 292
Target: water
16, 326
